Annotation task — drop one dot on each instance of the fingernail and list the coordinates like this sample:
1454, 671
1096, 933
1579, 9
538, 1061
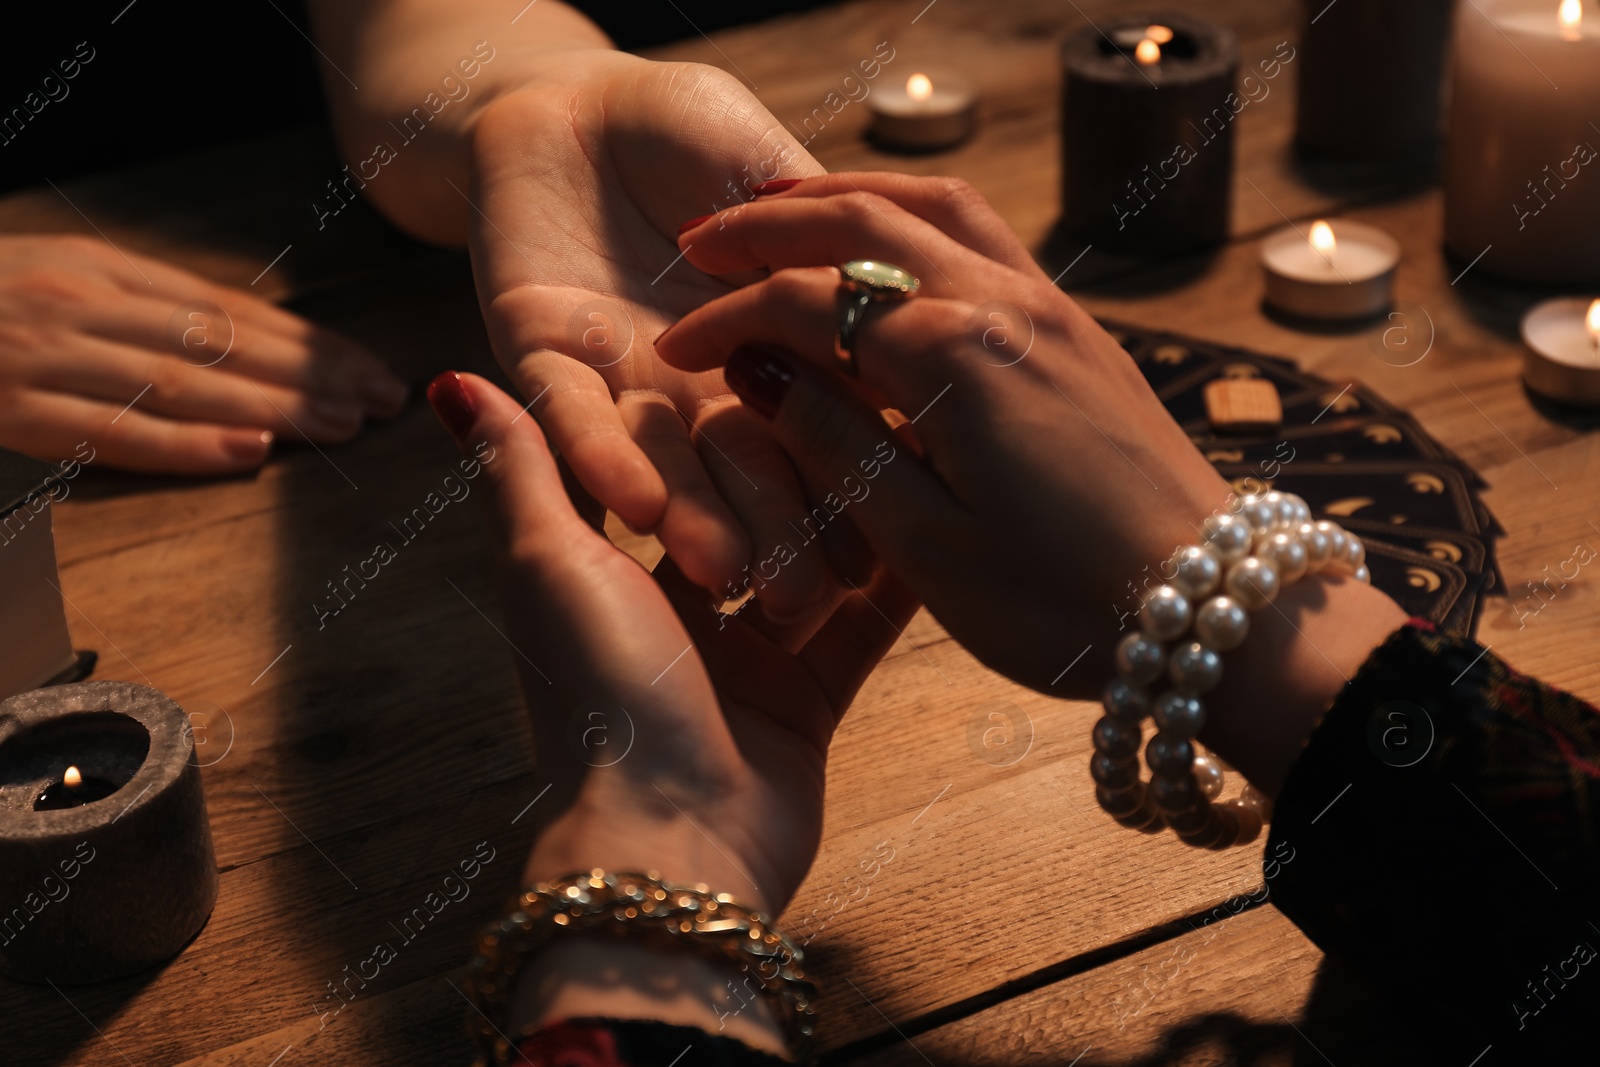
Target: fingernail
777, 186
691, 224
452, 403
248, 447
760, 375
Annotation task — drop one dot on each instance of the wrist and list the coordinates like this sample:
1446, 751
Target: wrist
617, 836
608, 976
1302, 650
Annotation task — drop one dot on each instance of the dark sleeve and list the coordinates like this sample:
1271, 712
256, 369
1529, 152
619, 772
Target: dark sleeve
635, 1043
1437, 836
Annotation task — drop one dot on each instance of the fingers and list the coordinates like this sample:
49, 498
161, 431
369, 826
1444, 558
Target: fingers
950, 204
790, 231
53, 425
164, 385
853, 462
903, 349
786, 569
698, 529
574, 406
214, 326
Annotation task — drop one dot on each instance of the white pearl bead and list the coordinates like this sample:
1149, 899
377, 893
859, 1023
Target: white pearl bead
1208, 776
1197, 571
1228, 536
1194, 669
1283, 509
1318, 548
1255, 510
1362, 574
1179, 715
1139, 659
1285, 550
1252, 582
1166, 614
1337, 540
1355, 553
1300, 510
1222, 624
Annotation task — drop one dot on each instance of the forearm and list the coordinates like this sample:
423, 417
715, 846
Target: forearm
407, 79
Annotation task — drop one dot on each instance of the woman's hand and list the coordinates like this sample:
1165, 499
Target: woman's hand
676, 737
580, 182
1054, 484
1053, 477
160, 370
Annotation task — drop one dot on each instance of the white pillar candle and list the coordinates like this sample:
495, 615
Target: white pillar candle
1522, 184
1331, 271
1562, 360
929, 110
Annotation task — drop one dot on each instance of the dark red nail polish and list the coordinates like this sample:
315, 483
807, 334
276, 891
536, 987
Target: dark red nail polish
452, 403
760, 375
777, 186
692, 223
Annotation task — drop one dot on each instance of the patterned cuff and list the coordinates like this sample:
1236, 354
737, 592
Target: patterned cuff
1438, 836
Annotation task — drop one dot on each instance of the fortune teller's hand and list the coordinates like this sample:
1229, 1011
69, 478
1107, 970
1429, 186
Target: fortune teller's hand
1053, 479
156, 369
582, 181
676, 738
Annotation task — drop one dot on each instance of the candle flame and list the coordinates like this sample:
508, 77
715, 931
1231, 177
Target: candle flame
1159, 34
1322, 239
1592, 321
1147, 52
919, 87
74, 777
1571, 16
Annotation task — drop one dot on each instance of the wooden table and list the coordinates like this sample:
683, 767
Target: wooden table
350, 767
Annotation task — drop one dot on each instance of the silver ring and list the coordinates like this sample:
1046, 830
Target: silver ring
863, 282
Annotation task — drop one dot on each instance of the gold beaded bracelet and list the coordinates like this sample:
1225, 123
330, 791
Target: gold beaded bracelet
642, 905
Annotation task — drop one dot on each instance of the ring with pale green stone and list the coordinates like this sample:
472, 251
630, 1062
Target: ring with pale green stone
863, 282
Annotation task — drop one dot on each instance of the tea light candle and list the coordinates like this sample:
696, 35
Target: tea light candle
1522, 182
928, 112
1147, 116
106, 864
1337, 271
1562, 360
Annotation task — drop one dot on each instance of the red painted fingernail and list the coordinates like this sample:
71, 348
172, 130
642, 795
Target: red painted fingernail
452, 403
760, 375
692, 223
778, 186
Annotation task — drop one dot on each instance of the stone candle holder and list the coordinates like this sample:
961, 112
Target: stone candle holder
122, 882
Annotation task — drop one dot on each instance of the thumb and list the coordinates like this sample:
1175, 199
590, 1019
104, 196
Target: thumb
524, 480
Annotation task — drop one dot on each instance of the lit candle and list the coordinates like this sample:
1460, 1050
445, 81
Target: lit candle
73, 791
931, 111
1147, 118
1562, 361
1337, 271
1522, 185
107, 858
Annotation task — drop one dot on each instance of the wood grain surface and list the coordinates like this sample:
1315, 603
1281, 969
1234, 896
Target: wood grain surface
351, 765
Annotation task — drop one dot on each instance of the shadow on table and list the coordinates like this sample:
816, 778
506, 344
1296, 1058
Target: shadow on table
94, 1008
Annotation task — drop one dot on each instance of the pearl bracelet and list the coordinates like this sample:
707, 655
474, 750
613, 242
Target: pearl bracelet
1242, 562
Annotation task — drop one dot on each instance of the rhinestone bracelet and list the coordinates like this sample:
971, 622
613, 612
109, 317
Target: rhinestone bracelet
684, 917
1242, 562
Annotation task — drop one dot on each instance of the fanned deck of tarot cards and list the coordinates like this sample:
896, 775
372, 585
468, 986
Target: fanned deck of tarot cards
1355, 458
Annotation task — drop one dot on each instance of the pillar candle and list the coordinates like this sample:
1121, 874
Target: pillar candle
1147, 133
1522, 187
